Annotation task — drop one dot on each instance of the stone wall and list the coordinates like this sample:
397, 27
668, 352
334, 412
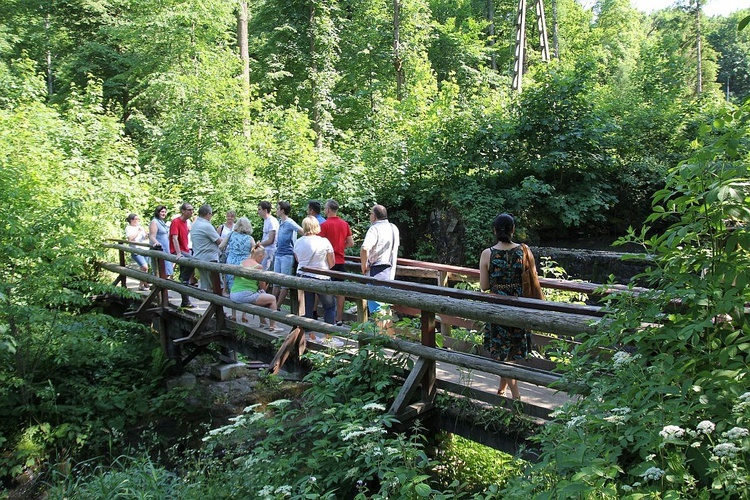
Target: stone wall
592, 265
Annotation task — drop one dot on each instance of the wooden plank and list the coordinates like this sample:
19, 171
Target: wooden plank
410, 386
427, 322
295, 338
200, 325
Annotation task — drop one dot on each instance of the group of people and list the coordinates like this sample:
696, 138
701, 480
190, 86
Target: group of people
319, 243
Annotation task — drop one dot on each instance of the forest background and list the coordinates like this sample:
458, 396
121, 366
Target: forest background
118, 106
113, 107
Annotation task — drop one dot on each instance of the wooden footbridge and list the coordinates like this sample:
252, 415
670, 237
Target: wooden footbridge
185, 334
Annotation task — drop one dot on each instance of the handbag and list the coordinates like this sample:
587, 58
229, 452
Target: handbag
223, 255
529, 278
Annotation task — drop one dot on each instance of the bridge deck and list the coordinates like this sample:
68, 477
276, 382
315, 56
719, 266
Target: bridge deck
484, 382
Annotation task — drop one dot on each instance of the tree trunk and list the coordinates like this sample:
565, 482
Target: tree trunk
242, 43
555, 31
397, 61
699, 82
316, 103
491, 33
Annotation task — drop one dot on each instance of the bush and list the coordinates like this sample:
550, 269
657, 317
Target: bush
665, 409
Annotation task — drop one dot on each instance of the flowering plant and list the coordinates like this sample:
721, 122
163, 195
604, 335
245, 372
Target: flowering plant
676, 357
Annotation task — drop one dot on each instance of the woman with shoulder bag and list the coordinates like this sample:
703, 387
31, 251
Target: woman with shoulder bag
507, 268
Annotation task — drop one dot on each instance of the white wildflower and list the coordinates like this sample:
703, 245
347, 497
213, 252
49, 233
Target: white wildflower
652, 474
621, 411
736, 433
280, 402
725, 450
391, 451
705, 427
250, 408
621, 358
650, 457
284, 490
373, 407
637, 484
573, 422
670, 432
313, 479
745, 397
615, 419
346, 436
374, 429
266, 491
696, 444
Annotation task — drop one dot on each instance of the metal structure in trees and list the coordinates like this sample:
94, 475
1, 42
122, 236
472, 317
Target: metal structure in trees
520, 52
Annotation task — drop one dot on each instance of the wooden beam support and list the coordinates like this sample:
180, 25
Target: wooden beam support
410, 386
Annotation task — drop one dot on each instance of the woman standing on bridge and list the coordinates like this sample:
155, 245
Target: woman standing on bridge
158, 234
501, 269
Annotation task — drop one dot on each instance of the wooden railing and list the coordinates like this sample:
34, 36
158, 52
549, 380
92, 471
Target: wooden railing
430, 300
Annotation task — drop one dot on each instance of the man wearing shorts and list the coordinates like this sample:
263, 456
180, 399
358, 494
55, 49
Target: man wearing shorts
338, 232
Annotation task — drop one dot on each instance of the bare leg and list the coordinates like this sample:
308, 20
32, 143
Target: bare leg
340, 308
513, 385
281, 297
503, 386
269, 301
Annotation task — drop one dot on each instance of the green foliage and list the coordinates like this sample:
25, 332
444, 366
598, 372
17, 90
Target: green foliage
126, 477
71, 384
334, 442
473, 465
665, 410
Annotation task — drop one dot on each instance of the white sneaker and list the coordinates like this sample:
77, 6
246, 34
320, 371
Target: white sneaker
351, 310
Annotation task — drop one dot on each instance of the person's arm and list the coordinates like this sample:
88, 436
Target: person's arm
331, 259
484, 270
271, 238
152, 231
176, 243
349, 242
223, 245
363, 256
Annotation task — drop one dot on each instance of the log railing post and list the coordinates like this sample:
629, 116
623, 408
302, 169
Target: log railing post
442, 280
427, 322
123, 279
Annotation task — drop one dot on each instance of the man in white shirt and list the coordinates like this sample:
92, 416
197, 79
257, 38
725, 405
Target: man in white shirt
205, 242
379, 250
270, 228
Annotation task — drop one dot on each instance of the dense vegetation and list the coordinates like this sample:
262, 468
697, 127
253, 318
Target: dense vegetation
112, 107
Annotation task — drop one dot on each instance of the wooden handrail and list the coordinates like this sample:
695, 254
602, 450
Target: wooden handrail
472, 274
511, 315
543, 305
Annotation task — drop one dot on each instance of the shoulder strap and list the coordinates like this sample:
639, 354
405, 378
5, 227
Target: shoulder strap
526, 250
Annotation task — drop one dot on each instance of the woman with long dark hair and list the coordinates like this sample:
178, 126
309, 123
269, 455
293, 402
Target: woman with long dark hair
501, 268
